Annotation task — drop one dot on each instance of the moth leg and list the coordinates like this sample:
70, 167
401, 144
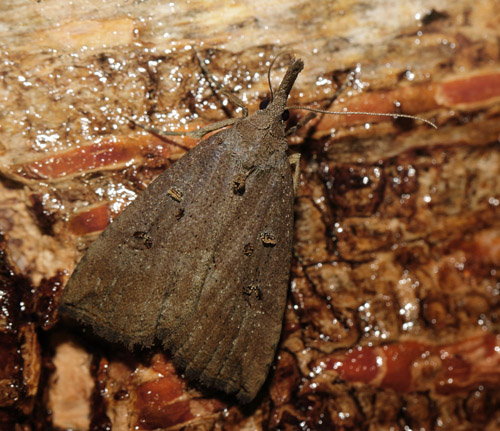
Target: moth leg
197, 134
300, 124
232, 98
294, 160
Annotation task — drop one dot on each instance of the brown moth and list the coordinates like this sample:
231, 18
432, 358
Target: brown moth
201, 259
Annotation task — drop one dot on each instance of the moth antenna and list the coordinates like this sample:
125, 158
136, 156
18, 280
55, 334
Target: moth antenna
377, 114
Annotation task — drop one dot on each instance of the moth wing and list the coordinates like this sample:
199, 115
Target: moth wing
117, 287
198, 266
226, 332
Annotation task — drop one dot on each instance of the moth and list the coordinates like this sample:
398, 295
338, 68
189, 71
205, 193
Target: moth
200, 261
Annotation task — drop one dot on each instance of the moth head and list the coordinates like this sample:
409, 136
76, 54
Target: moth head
275, 107
265, 103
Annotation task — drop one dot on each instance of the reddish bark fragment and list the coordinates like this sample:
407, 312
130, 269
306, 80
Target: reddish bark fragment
154, 412
83, 159
159, 402
462, 365
359, 365
398, 361
160, 391
473, 89
93, 220
410, 100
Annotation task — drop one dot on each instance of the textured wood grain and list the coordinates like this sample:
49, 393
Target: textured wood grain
396, 224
